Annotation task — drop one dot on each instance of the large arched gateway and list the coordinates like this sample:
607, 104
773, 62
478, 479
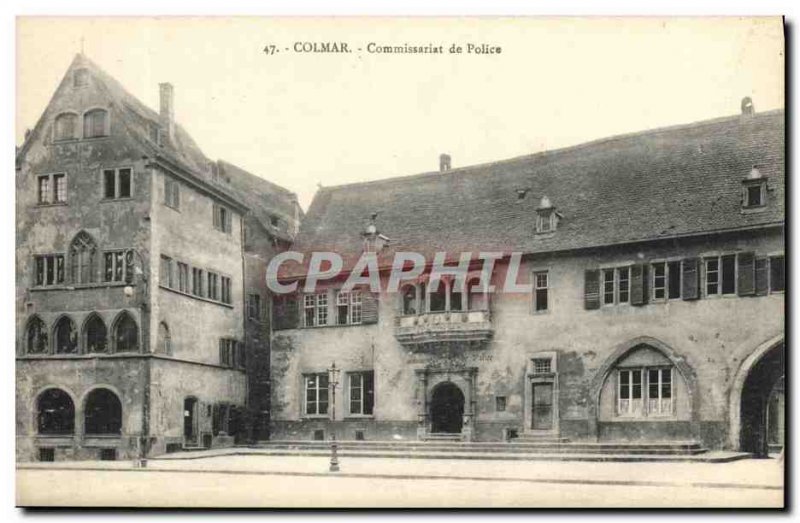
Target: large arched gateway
759, 379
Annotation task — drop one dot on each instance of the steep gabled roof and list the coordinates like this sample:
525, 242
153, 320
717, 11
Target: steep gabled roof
663, 183
182, 151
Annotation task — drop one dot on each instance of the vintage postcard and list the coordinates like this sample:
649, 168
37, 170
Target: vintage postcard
400, 262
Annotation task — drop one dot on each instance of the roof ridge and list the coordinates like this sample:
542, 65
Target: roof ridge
561, 150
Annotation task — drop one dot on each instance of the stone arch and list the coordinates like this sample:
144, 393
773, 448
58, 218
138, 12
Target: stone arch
620, 352
54, 411
106, 403
447, 407
737, 386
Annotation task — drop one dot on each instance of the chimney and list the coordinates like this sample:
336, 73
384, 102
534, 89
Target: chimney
444, 162
167, 110
747, 106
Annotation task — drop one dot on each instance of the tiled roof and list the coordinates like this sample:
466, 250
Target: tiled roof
265, 199
675, 181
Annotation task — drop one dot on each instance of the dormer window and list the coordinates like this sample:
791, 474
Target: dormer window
754, 190
80, 78
546, 216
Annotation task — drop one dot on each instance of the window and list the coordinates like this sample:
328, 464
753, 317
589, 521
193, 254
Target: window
674, 280
55, 413
164, 339
659, 280
117, 183
183, 277
227, 352
409, 297
542, 365
126, 334
437, 300
221, 218
348, 308
66, 337
117, 266
659, 391
315, 308
95, 123
103, 413
197, 281
623, 280
754, 193
213, 286
254, 307
540, 291
172, 193
500, 403
36, 337
44, 189
51, 188
630, 393
166, 272
66, 127
729, 274
96, 336
316, 394
49, 269
712, 276
59, 188
609, 294
645, 392
226, 290
362, 393
83, 259
80, 77
777, 276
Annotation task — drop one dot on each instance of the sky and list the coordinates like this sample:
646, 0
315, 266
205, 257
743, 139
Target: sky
304, 119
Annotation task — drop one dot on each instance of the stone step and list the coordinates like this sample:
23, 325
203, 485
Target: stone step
706, 457
681, 448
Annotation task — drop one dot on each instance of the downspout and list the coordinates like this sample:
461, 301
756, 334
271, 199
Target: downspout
146, 311
248, 355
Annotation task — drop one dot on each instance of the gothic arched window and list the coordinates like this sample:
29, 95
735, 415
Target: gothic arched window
66, 336
36, 336
126, 334
55, 413
83, 258
96, 335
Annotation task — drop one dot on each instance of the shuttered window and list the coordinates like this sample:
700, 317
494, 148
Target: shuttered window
690, 284
638, 284
591, 290
746, 274
777, 274
762, 276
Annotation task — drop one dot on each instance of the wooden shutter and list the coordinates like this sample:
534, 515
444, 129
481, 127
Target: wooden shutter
369, 307
228, 220
222, 352
591, 289
747, 274
285, 312
691, 279
762, 276
638, 284
215, 212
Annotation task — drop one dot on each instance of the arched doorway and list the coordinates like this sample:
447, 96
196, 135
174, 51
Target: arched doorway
759, 385
447, 409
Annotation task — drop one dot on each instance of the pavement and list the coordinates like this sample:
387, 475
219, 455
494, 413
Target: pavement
298, 481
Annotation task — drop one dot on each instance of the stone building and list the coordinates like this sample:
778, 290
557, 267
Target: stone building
137, 261
654, 306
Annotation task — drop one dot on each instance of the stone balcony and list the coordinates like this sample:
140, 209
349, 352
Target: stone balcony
464, 328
